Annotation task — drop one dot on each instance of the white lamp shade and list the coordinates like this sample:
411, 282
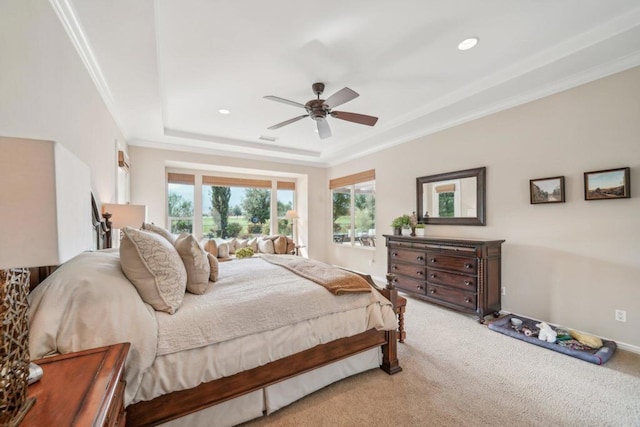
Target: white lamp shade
45, 210
125, 215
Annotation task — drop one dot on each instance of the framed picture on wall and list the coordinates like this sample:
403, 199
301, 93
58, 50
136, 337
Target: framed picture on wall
547, 190
607, 184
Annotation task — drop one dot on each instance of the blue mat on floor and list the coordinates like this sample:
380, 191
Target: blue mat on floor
597, 356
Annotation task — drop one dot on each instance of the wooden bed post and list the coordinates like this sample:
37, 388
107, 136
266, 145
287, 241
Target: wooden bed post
390, 363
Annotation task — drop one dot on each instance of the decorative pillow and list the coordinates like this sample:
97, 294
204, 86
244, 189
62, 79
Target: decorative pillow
223, 250
232, 245
291, 246
213, 267
280, 245
159, 230
266, 246
154, 267
253, 244
210, 246
241, 243
195, 262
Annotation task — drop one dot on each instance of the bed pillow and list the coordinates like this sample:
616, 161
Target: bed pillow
253, 244
223, 250
280, 245
291, 246
195, 261
210, 246
154, 267
265, 246
159, 230
213, 267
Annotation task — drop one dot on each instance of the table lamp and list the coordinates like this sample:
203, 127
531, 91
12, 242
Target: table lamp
292, 215
45, 195
120, 216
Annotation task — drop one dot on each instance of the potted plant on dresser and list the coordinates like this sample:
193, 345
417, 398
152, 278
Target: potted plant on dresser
420, 230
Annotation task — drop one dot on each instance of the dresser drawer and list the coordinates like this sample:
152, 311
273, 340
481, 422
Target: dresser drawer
413, 270
462, 281
409, 285
414, 257
454, 263
452, 295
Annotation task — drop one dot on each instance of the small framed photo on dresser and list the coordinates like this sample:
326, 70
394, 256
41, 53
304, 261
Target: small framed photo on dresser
607, 184
547, 190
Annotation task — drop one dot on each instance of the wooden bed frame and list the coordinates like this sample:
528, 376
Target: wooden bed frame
177, 404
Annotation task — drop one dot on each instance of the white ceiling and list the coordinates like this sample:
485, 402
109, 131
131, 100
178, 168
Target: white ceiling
165, 67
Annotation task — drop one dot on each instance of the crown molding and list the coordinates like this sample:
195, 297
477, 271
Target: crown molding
68, 17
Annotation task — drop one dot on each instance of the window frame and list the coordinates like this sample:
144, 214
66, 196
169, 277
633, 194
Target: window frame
351, 182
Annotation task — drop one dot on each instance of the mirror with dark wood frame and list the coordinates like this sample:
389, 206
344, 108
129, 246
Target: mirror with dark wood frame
452, 198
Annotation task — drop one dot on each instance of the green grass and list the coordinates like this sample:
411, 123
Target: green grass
207, 223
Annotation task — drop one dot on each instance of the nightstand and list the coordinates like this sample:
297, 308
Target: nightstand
85, 388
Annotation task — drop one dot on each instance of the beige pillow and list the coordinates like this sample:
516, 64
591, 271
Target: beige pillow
195, 262
213, 267
154, 267
210, 246
253, 244
280, 245
223, 250
266, 246
159, 230
291, 246
232, 245
241, 243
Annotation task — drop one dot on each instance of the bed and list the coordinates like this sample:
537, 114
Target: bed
257, 339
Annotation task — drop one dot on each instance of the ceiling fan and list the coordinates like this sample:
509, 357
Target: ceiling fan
318, 109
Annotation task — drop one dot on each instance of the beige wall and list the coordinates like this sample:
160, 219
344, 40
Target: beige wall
148, 186
46, 92
569, 263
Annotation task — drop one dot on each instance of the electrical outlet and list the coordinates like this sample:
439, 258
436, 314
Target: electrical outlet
621, 315
503, 291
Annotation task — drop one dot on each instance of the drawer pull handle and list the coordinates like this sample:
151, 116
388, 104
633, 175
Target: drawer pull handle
395, 280
420, 273
433, 275
468, 283
467, 265
394, 267
432, 291
433, 260
467, 300
419, 287
394, 254
420, 258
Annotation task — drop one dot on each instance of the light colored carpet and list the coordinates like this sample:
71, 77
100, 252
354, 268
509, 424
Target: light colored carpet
457, 372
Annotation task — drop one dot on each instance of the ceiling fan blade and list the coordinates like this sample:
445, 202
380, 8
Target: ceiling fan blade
323, 128
284, 101
356, 118
288, 122
340, 97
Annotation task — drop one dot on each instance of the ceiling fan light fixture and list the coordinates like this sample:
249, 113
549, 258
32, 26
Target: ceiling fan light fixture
468, 43
224, 111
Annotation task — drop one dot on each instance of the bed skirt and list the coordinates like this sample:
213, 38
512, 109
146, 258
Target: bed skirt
269, 399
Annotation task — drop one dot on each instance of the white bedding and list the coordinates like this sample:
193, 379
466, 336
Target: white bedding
89, 302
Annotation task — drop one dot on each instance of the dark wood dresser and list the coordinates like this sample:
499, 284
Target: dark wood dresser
462, 274
85, 388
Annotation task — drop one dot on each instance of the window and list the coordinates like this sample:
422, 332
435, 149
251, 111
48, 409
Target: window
180, 193
285, 201
354, 209
233, 207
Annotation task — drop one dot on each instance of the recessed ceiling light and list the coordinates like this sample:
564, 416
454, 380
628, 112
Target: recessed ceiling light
224, 111
467, 44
